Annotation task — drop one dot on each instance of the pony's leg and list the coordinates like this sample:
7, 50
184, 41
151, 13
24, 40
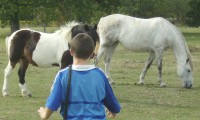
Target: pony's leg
146, 67
159, 55
7, 73
21, 73
107, 60
66, 59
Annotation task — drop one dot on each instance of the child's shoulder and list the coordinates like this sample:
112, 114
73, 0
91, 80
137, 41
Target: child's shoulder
63, 71
100, 71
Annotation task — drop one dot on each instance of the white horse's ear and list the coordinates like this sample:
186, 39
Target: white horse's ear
86, 27
95, 27
187, 60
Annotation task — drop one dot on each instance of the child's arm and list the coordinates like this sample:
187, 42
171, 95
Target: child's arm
53, 101
110, 114
110, 100
44, 113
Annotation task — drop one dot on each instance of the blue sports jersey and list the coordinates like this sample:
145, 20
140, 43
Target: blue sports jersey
89, 93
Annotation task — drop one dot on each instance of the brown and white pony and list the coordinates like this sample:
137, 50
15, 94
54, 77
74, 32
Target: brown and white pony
42, 50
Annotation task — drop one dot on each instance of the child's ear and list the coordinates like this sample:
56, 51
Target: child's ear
71, 52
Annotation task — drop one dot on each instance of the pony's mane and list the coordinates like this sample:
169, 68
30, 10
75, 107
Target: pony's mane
70, 24
65, 30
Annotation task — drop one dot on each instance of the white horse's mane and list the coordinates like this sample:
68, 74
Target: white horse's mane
186, 46
188, 53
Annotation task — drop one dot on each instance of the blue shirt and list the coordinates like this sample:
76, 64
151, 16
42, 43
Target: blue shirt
89, 93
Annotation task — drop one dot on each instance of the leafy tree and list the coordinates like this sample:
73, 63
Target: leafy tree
87, 10
194, 13
90, 11
179, 10
79, 10
172, 9
12, 11
12, 15
108, 6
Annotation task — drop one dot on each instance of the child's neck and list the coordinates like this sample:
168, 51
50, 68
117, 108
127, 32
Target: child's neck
77, 61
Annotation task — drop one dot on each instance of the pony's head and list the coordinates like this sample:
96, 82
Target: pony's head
90, 30
185, 73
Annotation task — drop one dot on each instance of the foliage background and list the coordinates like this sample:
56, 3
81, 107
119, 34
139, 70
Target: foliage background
57, 12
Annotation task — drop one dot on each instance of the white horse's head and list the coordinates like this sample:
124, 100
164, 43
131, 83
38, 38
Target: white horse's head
185, 73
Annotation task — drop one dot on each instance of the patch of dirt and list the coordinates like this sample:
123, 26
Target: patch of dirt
194, 49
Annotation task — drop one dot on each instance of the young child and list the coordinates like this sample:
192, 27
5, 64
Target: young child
90, 91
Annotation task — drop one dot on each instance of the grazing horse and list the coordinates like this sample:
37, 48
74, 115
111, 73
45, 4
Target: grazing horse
152, 35
42, 50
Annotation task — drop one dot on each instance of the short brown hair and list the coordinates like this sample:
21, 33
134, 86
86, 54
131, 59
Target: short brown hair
82, 45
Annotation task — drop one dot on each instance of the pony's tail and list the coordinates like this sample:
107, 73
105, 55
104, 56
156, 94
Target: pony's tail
6, 42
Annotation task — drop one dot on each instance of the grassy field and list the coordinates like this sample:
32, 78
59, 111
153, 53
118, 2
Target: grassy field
148, 102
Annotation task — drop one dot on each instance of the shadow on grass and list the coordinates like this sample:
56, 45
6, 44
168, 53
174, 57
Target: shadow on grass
151, 85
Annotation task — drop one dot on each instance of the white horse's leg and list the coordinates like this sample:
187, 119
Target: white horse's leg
7, 73
102, 50
146, 67
107, 60
159, 55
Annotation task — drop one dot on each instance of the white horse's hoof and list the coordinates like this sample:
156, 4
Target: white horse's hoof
112, 82
140, 83
162, 85
26, 93
5, 94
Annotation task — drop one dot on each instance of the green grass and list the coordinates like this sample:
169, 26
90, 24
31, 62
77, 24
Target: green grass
148, 102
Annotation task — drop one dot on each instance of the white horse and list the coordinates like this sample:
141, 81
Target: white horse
144, 35
41, 50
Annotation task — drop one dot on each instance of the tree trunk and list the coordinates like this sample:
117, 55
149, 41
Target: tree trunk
14, 23
44, 27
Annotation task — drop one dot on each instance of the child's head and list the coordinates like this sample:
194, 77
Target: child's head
82, 46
